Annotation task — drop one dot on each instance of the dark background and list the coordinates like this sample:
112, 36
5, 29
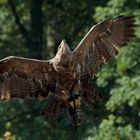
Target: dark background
34, 28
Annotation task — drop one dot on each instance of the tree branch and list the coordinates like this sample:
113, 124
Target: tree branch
17, 19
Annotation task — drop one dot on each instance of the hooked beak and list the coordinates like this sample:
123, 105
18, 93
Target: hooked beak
63, 42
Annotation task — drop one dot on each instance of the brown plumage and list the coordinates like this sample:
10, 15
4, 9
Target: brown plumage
66, 76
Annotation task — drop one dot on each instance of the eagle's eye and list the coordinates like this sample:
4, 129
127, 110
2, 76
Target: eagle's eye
59, 46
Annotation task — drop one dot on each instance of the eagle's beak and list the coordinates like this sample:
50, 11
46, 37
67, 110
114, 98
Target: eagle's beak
63, 43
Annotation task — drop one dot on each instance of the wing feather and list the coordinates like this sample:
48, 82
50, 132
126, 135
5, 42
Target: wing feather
102, 42
90, 94
54, 108
24, 78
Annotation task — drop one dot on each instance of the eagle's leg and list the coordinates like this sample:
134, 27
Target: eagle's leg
72, 103
74, 110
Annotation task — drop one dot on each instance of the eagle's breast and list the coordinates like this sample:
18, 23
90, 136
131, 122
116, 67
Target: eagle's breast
66, 79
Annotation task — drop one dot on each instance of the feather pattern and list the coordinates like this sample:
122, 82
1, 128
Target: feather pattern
67, 75
90, 94
24, 78
107, 37
54, 108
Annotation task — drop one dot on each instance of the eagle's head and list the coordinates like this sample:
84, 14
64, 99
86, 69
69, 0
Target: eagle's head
63, 56
63, 48
63, 53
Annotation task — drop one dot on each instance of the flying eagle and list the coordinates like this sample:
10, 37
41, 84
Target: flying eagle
66, 77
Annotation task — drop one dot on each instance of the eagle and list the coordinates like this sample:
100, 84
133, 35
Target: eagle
64, 81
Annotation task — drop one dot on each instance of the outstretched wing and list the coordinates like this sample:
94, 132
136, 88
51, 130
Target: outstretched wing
101, 43
25, 78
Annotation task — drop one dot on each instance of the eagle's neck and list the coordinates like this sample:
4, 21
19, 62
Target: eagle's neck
62, 62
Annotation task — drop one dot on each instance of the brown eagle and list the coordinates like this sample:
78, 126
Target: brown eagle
66, 76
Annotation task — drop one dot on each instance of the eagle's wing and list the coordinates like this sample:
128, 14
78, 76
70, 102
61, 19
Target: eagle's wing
89, 93
54, 108
101, 43
25, 78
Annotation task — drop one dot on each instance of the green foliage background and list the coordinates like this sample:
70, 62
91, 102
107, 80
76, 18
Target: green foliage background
117, 116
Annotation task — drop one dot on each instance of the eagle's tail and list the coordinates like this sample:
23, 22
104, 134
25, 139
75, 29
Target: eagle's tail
75, 116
